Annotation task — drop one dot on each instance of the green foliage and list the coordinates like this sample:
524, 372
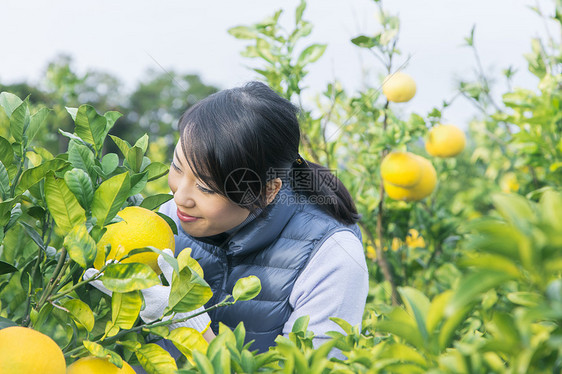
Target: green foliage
473, 270
54, 210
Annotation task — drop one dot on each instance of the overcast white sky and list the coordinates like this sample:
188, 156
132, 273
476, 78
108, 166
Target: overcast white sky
191, 37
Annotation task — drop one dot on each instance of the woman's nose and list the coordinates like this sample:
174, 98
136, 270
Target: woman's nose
184, 196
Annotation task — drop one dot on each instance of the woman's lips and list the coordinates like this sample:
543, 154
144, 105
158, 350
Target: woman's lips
186, 217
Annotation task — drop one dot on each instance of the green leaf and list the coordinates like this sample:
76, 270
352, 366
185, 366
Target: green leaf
417, 305
33, 234
472, 286
551, 209
247, 362
111, 117
6, 152
529, 299
72, 112
100, 351
187, 340
4, 182
142, 143
19, 121
264, 50
162, 331
90, 126
134, 158
36, 122
62, 204
388, 36
131, 345
6, 207
437, 310
154, 201
185, 260
129, 277
123, 145
109, 197
311, 54
243, 32
203, 364
80, 312
404, 353
515, 209
401, 324
6, 268
9, 102
240, 334
5, 322
76, 139
170, 222
246, 288
221, 361
137, 183
365, 41
189, 291
299, 11
109, 163
155, 360
79, 182
55, 323
449, 327
81, 157
156, 170
169, 259
80, 246
125, 308
301, 324
493, 262
34, 175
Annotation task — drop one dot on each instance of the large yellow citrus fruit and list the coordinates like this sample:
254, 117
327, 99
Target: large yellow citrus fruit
401, 169
445, 141
24, 350
419, 191
399, 87
140, 228
96, 365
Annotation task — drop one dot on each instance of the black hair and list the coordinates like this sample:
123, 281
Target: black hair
235, 138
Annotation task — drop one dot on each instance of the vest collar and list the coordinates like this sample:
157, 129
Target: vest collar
260, 232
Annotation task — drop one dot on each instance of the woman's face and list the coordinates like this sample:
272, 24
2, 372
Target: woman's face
201, 211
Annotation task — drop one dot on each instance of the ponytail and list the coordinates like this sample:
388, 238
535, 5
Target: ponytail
325, 189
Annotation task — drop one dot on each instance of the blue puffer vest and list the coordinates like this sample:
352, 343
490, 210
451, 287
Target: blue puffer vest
275, 247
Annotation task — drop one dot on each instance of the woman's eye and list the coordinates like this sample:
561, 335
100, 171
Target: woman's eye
205, 190
176, 168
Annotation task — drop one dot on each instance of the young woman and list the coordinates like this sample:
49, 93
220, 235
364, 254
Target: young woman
247, 203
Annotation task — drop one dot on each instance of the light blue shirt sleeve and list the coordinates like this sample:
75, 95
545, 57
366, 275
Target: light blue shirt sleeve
334, 283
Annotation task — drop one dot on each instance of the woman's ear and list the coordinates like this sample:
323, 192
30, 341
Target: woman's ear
272, 187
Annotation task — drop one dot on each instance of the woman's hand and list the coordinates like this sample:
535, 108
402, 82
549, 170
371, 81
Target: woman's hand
156, 300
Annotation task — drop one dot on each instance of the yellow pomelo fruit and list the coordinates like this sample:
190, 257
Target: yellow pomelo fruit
445, 141
399, 87
140, 228
24, 350
96, 365
402, 169
421, 190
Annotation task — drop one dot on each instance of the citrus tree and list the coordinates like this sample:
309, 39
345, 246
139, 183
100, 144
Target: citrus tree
65, 215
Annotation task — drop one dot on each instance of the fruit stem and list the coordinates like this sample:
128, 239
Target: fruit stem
52, 282
79, 284
120, 334
381, 259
